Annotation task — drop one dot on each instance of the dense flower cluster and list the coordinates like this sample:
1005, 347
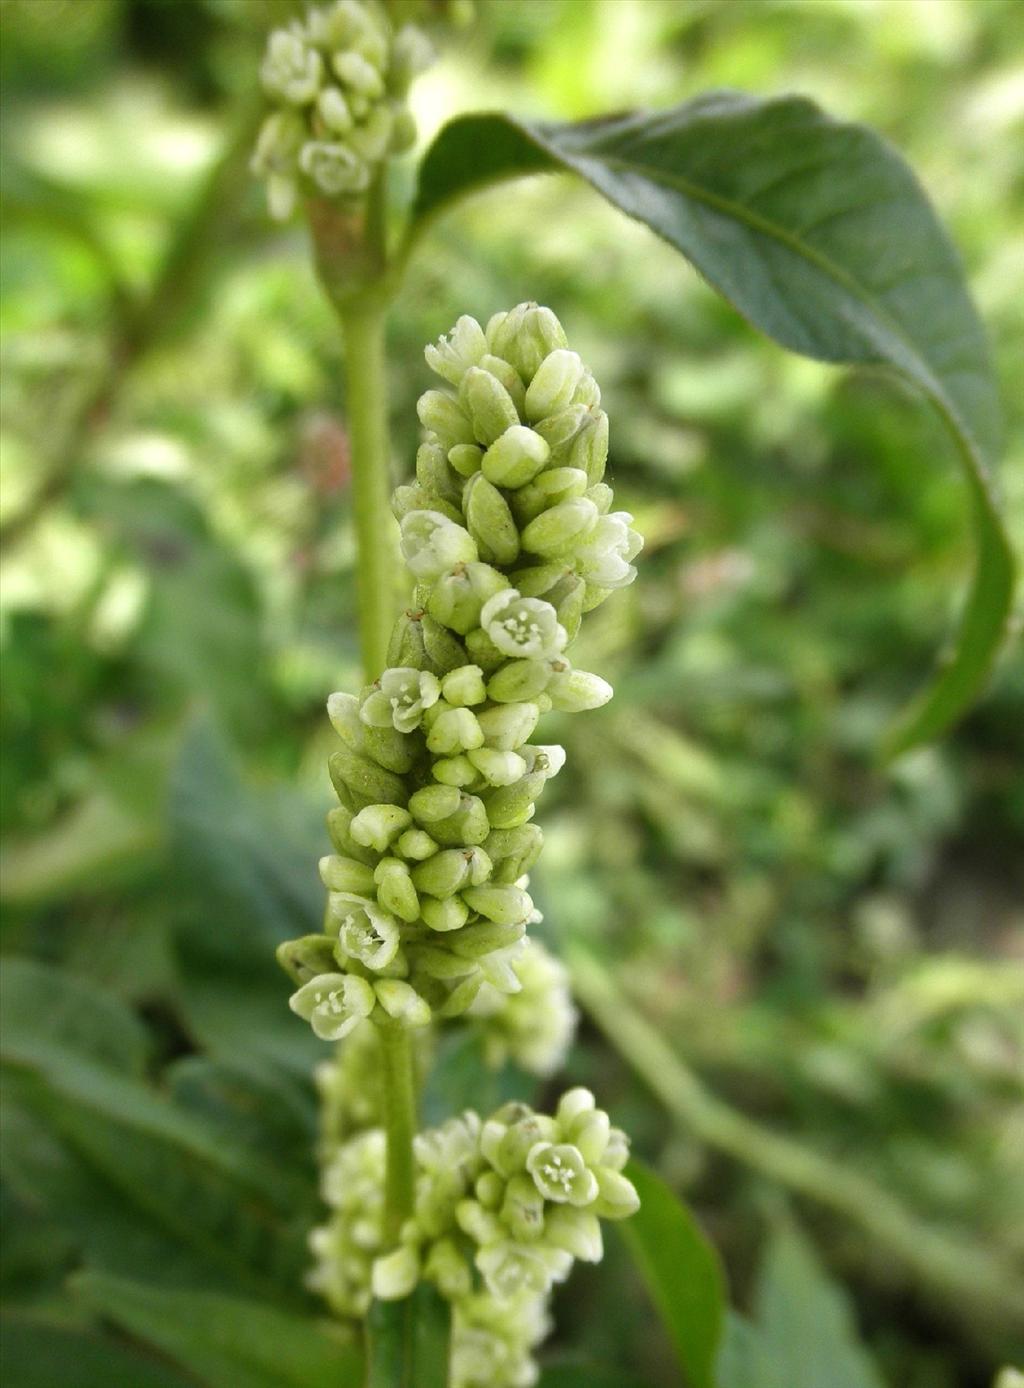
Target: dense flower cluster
338, 80
502, 1210
510, 535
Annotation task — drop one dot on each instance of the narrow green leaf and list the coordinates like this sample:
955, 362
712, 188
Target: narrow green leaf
587, 1375
408, 1341
227, 1342
821, 236
37, 1354
682, 1272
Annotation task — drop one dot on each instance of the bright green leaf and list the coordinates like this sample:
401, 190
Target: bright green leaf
682, 1272
821, 236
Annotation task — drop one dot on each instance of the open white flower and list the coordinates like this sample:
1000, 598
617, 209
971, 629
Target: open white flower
604, 559
333, 1004
403, 697
432, 544
291, 70
525, 628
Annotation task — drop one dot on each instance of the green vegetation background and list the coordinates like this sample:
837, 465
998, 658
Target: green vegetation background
835, 948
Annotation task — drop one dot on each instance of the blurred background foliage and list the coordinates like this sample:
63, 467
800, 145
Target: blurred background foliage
833, 946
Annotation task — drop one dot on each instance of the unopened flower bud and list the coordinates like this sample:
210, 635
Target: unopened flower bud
364, 780
522, 1210
464, 687
306, 958
377, 826
509, 806
503, 905
343, 711
525, 336
458, 596
589, 449
395, 1275
395, 890
519, 680
507, 375
455, 730
561, 529
401, 1002
497, 768
443, 874
617, 1197
340, 874
468, 826
487, 403
451, 913
434, 803
334, 110
358, 74
338, 821
573, 691
549, 489
415, 845
476, 941
515, 457
490, 521
455, 771
554, 384
443, 652
508, 726
442, 415
577, 1231
466, 458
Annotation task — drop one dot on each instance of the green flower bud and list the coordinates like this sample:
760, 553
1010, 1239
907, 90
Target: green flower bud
515, 457
389, 748
554, 384
358, 74
340, 874
589, 449
590, 1134
333, 1004
455, 771
395, 890
497, 768
291, 71
573, 691
447, 1269
364, 931
483, 650
334, 168
525, 336
521, 1137
455, 730
442, 875
455, 353
466, 458
509, 806
559, 430
307, 957
519, 680
616, 1154
441, 414
338, 821
377, 826
574, 1104
476, 941
587, 392
404, 500
416, 844
434, 803
405, 647
518, 847
464, 687
562, 528
561, 1175
343, 711
400, 698
507, 375
616, 1197
401, 1002
550, 489
505, 905
480, 1224
526, 628
508, 726
489, 1190
372, 137
434, 473
442, 651
451, 913
364, 780
538, 579
468, 826
395, 1274
577, 1231
522, 1210
602, 496
334, 111
490, 407
432, 544
490, 521
457, 597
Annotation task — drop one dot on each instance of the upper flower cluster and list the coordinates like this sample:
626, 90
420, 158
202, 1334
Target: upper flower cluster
339, 81
510, 535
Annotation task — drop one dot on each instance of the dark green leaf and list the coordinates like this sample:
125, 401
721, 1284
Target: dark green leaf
36, 1354
821, 236
408, 1341
227, 1342
803, 1334
587, 1375
682, 1272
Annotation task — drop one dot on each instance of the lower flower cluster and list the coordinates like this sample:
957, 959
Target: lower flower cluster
502, 1210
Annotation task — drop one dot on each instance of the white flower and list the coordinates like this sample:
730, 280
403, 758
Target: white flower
333, 1004
455, 354
525, 628
432, 544
535, 1026
365, 932
333, 167
604, 559
401, 700
291, 70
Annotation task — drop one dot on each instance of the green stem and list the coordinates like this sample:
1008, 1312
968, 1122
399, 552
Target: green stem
400, 1126
975, 1284
363, 326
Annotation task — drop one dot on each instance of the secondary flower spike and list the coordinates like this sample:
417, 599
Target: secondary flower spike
338, 80
437, 774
